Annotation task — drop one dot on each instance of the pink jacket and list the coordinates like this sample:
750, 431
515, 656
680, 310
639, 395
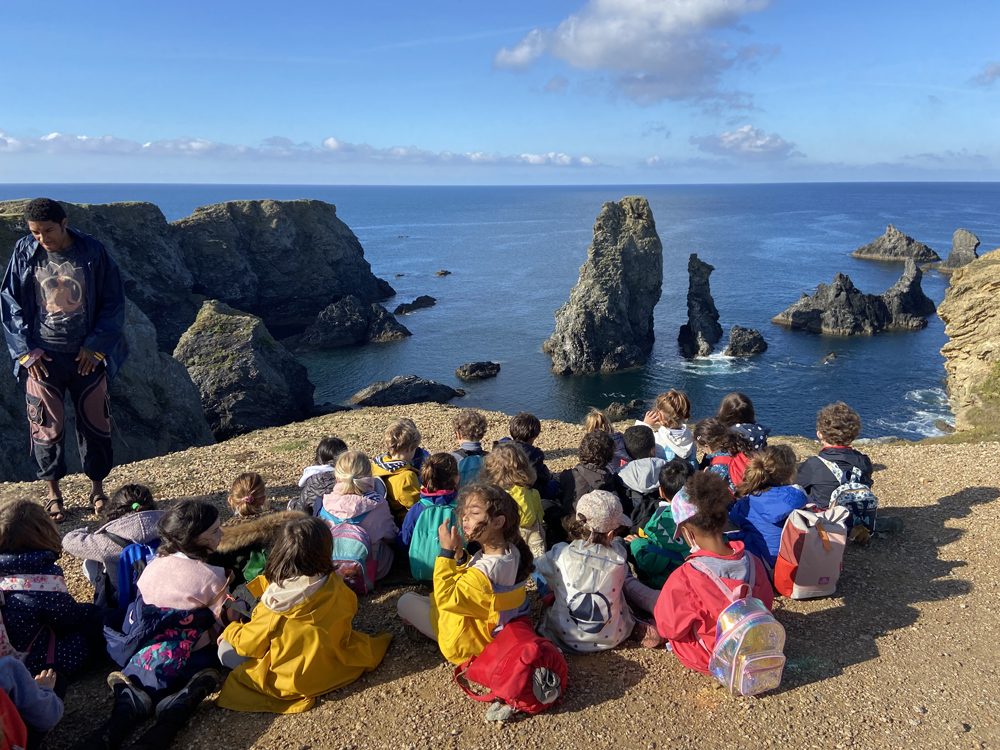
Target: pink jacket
377, 519
178, 582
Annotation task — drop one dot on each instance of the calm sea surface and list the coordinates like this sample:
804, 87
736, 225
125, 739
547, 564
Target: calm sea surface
515, 252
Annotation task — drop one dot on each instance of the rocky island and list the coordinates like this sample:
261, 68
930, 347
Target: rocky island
963, 251
896, 246
698, 337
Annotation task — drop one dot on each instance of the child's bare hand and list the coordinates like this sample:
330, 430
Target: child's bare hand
449, 537
631, 538
652, 418
46, 678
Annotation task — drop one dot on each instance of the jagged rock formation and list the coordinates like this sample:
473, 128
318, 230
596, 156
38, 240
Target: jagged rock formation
607, 324
972, 321
617, 411
841, 310
346, 322
896, 246
418, 304
405, 389
702, 332
745, 342
478, 371
963, 251
247, 380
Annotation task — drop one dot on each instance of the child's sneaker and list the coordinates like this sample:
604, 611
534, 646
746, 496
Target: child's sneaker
127, 694
647, 634
414, 633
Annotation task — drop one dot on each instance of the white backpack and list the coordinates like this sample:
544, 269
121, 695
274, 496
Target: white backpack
811, 555
748, 657
854, 495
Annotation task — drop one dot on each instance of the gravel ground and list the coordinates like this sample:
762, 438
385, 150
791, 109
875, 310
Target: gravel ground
903, 656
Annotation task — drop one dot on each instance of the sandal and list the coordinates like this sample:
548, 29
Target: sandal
54, 507
97, 502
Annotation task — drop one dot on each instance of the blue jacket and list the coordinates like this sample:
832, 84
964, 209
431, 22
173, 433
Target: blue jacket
761, 518
410, 522
40, 708
105, 301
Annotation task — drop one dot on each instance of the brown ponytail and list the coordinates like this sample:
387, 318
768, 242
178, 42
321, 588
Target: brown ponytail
772, 467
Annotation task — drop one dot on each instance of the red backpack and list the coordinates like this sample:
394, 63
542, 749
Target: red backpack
519, 667
737, 466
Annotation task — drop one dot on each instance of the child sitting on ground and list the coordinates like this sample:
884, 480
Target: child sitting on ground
360, 498
438, 503
767, 495
598, 420
43, 621
474, 595
318, 480
670, 411
38, 699
656, 551
589, 612
736, 412
248, 496
402, 480
508, 468
727, 452
591, 473
688, 608
637, 483
300, 643
470, 426
129, 517
524, 430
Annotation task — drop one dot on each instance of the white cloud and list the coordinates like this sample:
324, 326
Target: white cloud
747, 143
661, 49
276, 148
989, 76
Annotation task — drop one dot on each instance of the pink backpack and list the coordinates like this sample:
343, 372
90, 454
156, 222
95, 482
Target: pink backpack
812, 552
352, 553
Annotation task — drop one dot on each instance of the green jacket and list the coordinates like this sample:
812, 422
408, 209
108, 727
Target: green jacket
656, 553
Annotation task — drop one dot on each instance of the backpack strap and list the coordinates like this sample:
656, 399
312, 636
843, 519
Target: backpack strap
356, 521
724, 460
837, 472
733, 596
461, 670
856, 475
119, 540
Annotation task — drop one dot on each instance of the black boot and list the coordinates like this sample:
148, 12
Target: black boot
173, 712
132, 707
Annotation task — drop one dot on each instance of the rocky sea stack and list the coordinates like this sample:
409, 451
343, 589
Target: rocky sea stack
347, 322
247, 380
963, 251
840, 309
419, 303
405, 389
896, 246
745, 342
702, 332
478, 371
972, 321
607, 324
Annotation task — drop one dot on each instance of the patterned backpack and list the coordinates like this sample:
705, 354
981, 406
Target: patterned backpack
855, 496
352, 552
424, 545
749, 643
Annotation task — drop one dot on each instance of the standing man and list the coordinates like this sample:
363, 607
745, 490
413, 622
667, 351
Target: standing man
63, 309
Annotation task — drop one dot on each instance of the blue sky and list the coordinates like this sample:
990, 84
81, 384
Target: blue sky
599, 92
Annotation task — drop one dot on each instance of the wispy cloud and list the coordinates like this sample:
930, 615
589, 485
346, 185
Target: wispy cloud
658, 129
660, 49
989, 76
276, 148
557, 85
747, 143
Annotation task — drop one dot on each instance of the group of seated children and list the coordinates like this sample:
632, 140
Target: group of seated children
618, 547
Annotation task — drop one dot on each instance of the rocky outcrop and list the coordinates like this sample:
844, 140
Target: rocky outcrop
702, 332
478, 371
972, 322
841, 310
617, 411
607, 324
247, 380
963, 251
405, 389
745, 342
418, 304
347, 322
896, 246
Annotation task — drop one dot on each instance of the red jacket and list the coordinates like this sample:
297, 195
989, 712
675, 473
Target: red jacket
689, 604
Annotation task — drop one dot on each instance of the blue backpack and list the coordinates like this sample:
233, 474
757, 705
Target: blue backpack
353, 559
469, 465
425, 545
132, 561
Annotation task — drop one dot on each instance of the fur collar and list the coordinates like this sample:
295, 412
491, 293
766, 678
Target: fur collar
261, 530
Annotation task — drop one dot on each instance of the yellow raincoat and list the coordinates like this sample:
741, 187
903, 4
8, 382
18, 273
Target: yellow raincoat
402, 484
303, 652
465, 610
529, 505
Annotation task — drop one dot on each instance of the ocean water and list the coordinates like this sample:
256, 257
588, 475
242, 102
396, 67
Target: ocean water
515, 252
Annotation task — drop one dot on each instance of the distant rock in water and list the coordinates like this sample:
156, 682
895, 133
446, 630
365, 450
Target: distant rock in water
896, 246
607, 324
443, 272
617, 411
702, 332
963, 251
841, 310
478, 371
247, 380
418, 304
745, 342
405, 389
346, 322
972, 355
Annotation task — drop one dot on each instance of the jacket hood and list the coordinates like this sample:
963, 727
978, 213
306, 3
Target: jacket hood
346, 506
847, 456
441, 497
37, 561
642, 474
390, 465
283, 595
311, 471
260, 531
679, 441
735, 567
593, 475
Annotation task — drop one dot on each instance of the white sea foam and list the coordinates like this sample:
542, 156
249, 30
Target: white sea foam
717, 364
931, 405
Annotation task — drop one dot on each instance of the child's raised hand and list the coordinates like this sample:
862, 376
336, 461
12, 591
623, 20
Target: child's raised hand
631, 538
46, 678
449, 537
652, 418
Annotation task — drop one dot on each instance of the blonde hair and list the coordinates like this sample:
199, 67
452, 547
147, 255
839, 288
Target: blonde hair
674, 408
401, 436
508, 465
597, 420
772, 467
26, 527
248, 495
352, 466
